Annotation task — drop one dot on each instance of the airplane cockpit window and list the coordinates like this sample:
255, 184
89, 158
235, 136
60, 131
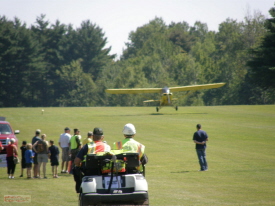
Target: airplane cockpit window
166, 90
5, 129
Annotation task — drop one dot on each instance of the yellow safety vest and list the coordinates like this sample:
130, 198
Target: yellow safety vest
92, 149
73, 142
130, 145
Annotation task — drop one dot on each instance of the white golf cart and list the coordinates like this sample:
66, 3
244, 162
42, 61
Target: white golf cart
113, 180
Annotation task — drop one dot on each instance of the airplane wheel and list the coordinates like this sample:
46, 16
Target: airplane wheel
157, 109
176, 108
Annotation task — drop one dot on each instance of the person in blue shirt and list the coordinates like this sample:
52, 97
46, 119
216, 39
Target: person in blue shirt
29, 155
200, 137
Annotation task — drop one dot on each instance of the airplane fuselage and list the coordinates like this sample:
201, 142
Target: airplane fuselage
166, 99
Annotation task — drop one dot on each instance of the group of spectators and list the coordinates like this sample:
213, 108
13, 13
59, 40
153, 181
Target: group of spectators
74, 150
39, 151
33, 155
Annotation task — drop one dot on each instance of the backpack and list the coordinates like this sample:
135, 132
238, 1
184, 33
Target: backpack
40, 146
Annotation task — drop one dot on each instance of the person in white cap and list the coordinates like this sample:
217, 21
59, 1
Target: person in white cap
131, 145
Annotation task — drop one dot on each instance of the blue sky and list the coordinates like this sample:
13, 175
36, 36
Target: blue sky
118, 18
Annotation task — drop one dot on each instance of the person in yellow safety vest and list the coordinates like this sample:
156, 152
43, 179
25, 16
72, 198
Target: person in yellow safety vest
97, 145
75, 144
131, 145
88, 139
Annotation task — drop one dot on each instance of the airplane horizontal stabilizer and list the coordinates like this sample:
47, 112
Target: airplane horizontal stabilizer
151, 101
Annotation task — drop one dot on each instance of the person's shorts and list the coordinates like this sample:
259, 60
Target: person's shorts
73, 154
35, 159
54, 163
23, 163
65, 154
29, 165
42, 158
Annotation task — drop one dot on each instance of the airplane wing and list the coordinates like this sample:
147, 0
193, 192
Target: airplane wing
159, 90
196, 87
134, 90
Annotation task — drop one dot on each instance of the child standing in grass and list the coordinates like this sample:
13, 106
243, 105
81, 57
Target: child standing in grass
23, 161
29, 155
54, 156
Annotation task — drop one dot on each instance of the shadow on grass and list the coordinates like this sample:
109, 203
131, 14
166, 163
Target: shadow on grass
174, 113
181, 172
156, 114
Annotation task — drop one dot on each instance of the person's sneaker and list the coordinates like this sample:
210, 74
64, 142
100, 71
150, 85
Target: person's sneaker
21, 176
45, 178
63, 171
9, 177
12, 177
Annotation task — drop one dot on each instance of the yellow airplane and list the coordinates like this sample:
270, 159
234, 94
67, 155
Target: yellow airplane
167, 95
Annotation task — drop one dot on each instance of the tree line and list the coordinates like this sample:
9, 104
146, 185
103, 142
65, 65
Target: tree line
58, 65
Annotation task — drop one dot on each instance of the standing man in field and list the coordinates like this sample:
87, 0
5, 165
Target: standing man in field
200, 137
64, 144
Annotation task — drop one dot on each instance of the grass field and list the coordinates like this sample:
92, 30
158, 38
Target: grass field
240, 152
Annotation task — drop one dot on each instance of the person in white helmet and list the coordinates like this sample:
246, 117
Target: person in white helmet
131, 145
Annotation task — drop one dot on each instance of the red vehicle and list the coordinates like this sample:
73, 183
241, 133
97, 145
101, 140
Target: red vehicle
6, 133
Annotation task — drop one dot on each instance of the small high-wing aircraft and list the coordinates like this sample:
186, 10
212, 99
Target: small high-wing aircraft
167, 95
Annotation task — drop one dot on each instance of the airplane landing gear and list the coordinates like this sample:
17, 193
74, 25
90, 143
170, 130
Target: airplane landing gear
157, 109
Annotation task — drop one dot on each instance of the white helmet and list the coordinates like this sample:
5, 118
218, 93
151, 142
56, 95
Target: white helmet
129, 129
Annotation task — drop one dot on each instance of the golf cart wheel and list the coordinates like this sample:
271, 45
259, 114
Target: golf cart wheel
80, 200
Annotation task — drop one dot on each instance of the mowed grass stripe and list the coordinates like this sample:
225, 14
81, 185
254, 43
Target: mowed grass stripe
240, 152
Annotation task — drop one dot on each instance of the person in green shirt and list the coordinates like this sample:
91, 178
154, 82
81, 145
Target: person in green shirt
75, 144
